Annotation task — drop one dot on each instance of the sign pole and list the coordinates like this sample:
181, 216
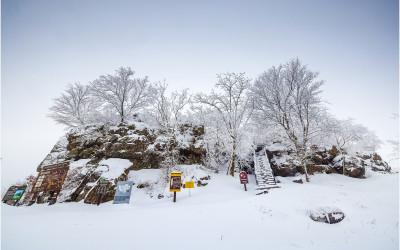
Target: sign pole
98, 202
16, 203
189, 192
245, 189
174, 196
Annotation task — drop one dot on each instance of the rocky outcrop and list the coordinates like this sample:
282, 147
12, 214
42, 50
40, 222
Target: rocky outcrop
284, 162
375, 162
137, 146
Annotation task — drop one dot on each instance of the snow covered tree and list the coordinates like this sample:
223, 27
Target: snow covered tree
213, 135
369, 142
168, 109
74, 107
345, 135
121, 93
168, 112
394, 143
232, 105
288, 97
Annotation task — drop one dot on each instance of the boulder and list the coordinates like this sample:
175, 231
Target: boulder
330, 215
300, 181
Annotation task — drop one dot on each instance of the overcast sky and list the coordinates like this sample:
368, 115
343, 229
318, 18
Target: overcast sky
47, 44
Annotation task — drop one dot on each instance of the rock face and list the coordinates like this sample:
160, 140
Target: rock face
111, 152
283, 162
141, 146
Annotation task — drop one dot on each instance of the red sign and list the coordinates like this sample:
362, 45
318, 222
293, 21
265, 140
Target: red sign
243, 178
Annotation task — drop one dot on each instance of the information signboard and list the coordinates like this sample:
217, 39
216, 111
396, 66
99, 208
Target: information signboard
51, 179
175, 182
189, 184
14, 193
102, 187
123, 192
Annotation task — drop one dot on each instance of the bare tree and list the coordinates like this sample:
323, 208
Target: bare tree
394, 143
369, 142
74, 107
346, 135
168, 112
213, 136
233, 107
168, 109
123, 94
288, 97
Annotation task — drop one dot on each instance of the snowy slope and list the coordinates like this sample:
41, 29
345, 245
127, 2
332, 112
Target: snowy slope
220, 215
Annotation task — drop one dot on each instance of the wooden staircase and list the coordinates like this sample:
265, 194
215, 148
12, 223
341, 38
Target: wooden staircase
264, 175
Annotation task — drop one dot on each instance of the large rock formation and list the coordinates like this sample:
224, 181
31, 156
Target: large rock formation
284, 162
111, 152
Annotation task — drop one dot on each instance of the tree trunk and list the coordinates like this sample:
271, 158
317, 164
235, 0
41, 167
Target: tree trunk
232, 172
305, 171
232, 169
344, 163
122, 112
301, 157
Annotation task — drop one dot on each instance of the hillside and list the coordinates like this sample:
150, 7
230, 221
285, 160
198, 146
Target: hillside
219, 214
115, 153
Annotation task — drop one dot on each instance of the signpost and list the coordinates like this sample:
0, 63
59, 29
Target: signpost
123, 192
14, 193
244, 179
189, 184
51, 179
102, 189
175, 183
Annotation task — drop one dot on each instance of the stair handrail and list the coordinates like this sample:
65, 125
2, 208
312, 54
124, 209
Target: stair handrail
255, 167
269, 164
266, 156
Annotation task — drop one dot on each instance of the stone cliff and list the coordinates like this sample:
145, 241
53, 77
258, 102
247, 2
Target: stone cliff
111, 152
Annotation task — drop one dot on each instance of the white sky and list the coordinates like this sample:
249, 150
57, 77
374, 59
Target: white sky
47, 44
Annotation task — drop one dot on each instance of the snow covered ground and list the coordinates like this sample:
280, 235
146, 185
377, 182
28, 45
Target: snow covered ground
220, 215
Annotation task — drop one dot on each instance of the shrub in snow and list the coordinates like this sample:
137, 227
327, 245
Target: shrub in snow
298, 181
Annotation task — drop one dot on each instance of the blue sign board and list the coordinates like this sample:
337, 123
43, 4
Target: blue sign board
123, 193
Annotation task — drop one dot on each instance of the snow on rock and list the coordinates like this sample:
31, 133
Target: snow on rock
153, 184
77, 169
330, 215
284, 162
57, 154
103, 151
112, 168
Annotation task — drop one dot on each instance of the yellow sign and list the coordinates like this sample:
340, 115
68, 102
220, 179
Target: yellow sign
175, 182
189, 184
